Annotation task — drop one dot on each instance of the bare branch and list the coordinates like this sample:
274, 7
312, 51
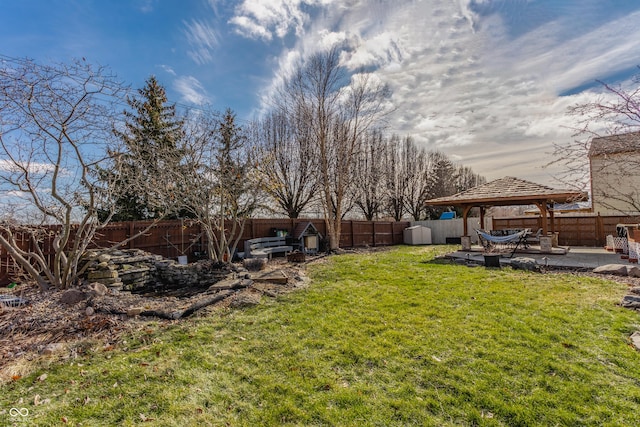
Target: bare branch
54, 120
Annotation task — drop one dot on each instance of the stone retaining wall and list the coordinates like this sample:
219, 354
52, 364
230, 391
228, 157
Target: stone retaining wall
141, 272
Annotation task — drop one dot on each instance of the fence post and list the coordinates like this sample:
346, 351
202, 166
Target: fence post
132, 230
393, 234
352, 236
599, 231
374, 233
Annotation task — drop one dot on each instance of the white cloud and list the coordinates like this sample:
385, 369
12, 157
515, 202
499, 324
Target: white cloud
331, 38
146, 6
565, 63
462, 82
38, 168
203, 39
266, 19
168, 69
191, 90
213, 4
250, 28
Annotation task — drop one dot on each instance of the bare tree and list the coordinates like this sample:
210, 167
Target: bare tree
286, 160
52, 122
369, 177
337, 111
224, 190
613, 113
466, 178
418, 177
395, 179
413, 175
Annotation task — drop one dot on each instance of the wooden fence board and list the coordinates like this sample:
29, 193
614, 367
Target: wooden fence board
583, 230
171, 239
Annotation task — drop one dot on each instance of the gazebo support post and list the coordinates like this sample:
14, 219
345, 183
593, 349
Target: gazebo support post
465, 239
546, 241
482, 217
543, 214
465, 213
552, 217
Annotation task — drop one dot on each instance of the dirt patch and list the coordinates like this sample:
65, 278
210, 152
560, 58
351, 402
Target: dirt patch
47, 327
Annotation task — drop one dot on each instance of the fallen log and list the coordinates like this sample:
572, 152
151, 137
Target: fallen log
205, 302
175, 315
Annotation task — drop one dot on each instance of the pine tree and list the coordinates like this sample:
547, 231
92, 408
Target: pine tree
147, 165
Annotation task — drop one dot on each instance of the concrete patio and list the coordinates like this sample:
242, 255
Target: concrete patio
580, 258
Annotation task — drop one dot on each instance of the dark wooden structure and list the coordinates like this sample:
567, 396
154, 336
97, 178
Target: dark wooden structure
510, 191
306, 238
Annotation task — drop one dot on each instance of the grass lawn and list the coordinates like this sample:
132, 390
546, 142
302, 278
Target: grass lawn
381, 339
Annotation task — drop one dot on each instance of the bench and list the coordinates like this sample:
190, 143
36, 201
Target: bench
265, 247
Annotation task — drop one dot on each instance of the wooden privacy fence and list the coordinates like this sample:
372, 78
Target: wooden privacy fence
578, 230
175, 238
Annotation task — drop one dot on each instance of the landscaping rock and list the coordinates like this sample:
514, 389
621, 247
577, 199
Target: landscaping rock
245, 299
635, 290
72, 296
631, 301
138, 271
96, 289
229, 283
53, 348
254, 264
635, 340
276, 276
633, 271
615, 269
524, 263
135, 311
89, 311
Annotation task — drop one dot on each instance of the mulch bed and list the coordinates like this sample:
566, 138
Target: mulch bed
27, 331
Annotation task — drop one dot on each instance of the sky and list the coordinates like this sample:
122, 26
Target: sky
487, 82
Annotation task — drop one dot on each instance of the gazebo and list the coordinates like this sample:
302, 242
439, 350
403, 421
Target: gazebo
510, 191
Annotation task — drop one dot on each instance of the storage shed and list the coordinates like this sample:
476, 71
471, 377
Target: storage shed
417, 235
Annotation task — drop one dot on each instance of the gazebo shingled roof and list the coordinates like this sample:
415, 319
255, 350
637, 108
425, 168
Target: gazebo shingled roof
509, 191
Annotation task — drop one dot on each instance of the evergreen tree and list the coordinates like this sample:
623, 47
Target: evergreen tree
148, 163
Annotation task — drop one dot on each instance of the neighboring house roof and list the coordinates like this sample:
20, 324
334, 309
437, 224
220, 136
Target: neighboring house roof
564, 207
614, 144
509, 191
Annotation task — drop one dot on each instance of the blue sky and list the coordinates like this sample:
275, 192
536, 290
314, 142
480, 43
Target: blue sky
487, 82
